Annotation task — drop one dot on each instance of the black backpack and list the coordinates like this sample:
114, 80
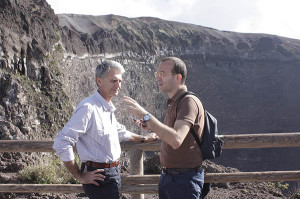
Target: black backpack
211, 146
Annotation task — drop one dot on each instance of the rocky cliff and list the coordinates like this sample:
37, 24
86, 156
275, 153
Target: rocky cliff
33, 104
248, 81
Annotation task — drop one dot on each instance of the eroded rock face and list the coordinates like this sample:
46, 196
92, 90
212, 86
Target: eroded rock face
248, 81
28, 30
32, 102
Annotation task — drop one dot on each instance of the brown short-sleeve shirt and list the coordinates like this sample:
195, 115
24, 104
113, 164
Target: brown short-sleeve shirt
188, 155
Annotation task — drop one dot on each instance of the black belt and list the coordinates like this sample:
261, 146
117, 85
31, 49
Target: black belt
178, 171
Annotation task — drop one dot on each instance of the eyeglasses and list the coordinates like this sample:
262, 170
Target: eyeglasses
161, 74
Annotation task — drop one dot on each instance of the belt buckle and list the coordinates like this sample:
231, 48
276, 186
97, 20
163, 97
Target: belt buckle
88, 163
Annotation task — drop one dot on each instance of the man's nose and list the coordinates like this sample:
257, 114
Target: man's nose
118, 84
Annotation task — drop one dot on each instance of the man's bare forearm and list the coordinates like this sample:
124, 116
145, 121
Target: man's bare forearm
173, 136
73, 169
140, 138
163, 131
136, 138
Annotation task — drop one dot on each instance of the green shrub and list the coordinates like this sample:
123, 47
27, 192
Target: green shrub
279, 186
296, 195
50, 171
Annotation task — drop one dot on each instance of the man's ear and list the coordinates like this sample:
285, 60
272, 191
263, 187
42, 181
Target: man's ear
179, 77
99, 81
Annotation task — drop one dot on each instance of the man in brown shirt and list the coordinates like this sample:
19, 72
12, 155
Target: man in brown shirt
180, 156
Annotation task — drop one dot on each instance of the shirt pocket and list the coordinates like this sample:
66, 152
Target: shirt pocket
107, 136
103, 137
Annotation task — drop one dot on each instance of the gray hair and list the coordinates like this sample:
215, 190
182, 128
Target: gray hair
106, 65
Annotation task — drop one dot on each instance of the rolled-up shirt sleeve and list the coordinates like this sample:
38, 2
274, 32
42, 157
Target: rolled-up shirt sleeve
63, 145
123, 134
67, 138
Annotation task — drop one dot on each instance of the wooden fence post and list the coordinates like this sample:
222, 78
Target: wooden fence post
137, 167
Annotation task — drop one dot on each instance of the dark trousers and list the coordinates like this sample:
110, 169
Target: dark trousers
107, 189
178, 186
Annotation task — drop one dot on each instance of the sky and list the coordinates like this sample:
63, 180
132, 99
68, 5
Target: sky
276, 17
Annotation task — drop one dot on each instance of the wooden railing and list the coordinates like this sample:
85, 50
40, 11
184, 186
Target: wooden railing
148, 184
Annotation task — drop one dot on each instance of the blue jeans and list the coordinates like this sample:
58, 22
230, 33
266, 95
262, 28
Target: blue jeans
109, 188
187, 185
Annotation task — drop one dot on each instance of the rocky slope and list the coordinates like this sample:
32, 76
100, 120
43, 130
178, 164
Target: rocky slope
33, 104
248, 81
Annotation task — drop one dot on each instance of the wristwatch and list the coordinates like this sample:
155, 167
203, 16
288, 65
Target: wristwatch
146, 117
143, 139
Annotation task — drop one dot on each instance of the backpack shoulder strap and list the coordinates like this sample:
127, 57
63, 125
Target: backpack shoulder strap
182, 96
191, 130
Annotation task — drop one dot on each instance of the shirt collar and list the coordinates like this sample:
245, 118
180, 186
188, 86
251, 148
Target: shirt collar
107, 106
180, 91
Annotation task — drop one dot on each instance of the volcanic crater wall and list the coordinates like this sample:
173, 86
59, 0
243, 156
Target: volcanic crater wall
250, 82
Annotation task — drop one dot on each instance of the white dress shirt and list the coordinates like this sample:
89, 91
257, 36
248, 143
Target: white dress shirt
94, 130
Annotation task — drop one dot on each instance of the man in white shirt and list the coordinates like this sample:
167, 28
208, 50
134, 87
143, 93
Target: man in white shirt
96, 133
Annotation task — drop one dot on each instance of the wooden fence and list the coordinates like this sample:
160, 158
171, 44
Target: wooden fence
138, 184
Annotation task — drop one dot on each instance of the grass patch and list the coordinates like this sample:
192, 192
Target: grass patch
296, 195
51, 170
